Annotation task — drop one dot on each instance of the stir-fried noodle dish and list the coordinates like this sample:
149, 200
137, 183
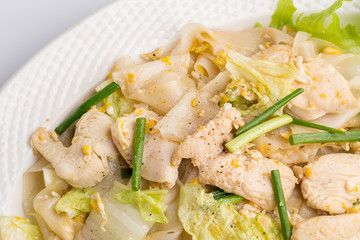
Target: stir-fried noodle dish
248, 134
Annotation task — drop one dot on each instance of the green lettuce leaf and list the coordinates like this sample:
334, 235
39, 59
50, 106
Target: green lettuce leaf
283, 14
123, 221
119, 103
347, 38
18, 228
256, 84
75, 203
206, 219
150, 202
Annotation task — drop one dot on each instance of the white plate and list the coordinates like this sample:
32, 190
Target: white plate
60, 76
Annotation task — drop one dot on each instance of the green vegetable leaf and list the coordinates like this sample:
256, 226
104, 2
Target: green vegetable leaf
75, 203
347, 38
256, 84
205, 218
283, 14
119, 104
18, 228
226, 198
150, 202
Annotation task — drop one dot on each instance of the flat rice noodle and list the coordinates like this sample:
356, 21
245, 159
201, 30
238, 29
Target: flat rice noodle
162, 95
33, 183
35, 179
44, 205
124, 61
193, 110
204, 70
45, 230
347, 64
159, 52
247, 42
277, 147
114, 175
173, 229
136, 77
303, 47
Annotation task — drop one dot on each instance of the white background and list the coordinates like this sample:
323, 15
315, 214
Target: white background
26, 26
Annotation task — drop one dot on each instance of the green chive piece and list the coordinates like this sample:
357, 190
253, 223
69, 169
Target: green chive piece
316, 126
218, 193
226, 198
95, 99
324, 137
257, 131
231, 199
126, 173
270, 111
280, 202
139, 142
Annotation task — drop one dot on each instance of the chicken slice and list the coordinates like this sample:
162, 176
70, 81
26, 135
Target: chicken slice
96, 125
332, 182
246, 173
157, 154
208, 140
84, 163
327, 92
344, 227
278, 53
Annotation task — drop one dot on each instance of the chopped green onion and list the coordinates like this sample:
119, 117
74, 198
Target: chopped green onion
126, 173
316, 126
280, 202
356, 203
324, 137
139, 142
226, 198
268, 112
231, 199
219, 193
95, 99
257, 131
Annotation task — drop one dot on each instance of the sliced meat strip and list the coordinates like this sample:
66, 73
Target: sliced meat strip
344, 227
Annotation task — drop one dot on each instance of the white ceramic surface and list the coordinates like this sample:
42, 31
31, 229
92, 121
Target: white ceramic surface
61, 75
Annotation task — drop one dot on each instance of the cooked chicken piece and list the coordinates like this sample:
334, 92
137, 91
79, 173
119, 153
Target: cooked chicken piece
96, 125
278, 53
332, 182
344, 227
157, 154
84, 163
327, 92
208, 140
246, 174
44, 205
